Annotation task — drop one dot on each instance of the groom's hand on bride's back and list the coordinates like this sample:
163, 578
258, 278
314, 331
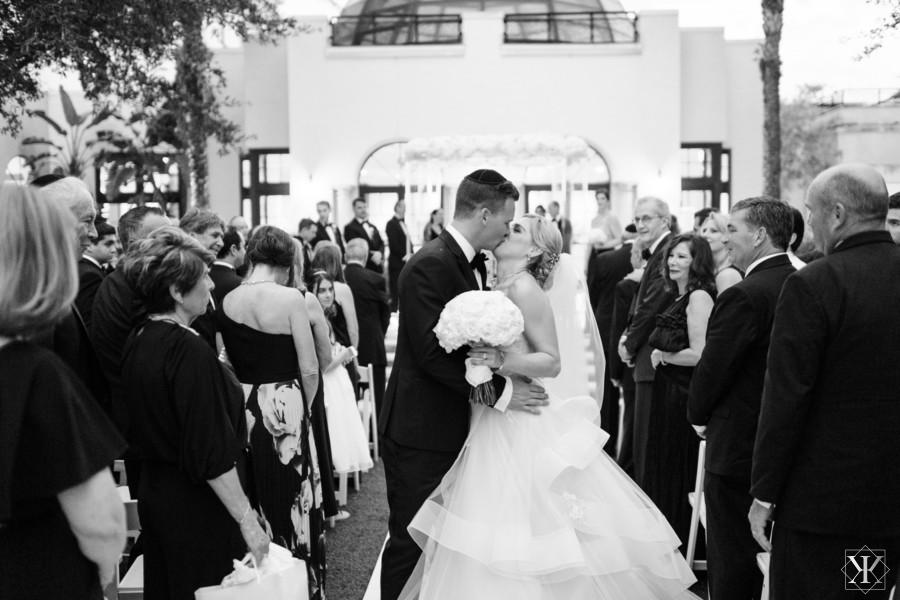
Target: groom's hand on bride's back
527, 396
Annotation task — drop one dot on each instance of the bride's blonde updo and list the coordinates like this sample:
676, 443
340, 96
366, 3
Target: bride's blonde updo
548, 239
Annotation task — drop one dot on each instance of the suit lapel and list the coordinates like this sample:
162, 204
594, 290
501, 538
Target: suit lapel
460, 256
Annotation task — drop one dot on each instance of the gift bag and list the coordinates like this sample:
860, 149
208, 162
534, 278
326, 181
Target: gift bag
280, 577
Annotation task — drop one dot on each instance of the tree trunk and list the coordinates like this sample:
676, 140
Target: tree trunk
195, 95
770, 68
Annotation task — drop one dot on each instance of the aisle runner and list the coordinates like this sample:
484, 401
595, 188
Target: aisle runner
373, 591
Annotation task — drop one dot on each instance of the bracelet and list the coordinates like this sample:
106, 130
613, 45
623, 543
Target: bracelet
244, 516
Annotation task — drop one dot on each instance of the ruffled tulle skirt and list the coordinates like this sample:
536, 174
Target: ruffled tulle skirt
534, 509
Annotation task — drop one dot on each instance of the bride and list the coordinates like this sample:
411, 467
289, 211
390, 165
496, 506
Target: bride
533, 509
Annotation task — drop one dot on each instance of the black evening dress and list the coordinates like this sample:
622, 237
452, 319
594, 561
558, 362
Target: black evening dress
673, 444
187, 426
53, 436
286, 466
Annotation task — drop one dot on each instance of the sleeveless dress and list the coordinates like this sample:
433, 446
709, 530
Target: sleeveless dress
286, 471
534, 509
673, 445
349, 446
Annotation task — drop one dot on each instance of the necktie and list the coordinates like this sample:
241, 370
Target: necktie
478, 263
646, 254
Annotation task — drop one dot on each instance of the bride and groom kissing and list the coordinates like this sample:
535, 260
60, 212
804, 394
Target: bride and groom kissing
517, 499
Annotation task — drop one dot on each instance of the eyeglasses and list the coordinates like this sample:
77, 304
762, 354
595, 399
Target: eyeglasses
645, 219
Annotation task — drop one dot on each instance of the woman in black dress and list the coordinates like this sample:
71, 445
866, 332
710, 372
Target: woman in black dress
678, 342
187, 426
267, 335
62, 523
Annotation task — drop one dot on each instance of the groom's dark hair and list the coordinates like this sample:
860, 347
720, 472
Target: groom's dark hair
483, 188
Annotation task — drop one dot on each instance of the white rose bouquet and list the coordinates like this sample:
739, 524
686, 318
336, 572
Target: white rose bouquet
484, 319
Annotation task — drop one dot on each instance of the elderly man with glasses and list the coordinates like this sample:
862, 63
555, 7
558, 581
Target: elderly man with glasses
651, 218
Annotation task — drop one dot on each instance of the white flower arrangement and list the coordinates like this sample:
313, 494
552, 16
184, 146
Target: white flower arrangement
479, 318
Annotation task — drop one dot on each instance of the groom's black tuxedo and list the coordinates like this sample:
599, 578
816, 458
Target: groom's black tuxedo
425, 417
726, 390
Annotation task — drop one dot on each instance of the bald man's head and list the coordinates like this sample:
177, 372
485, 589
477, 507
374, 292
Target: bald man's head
844, 200
73, 193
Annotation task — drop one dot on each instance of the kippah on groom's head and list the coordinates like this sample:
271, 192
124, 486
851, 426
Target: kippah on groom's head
484, 188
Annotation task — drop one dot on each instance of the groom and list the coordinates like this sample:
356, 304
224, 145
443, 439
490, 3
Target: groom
425, 417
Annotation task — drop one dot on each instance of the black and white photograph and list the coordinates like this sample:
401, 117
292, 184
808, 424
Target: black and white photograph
450, 300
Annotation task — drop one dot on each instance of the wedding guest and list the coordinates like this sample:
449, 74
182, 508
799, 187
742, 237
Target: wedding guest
62, 524
326, 231
360, 227
269, 340
892, 222
563, 224
207, 228
223, 271
715, 231
797, 233
328, 259
540, 210
609, 269
306, 233
69, 338
606, 223
621, 374
727, 385
92, 269
349, 445
399, 248
651, 218
825, 460
117, 310
187, 426
373, 311
239, 224
700, 218
677, 341
435, 225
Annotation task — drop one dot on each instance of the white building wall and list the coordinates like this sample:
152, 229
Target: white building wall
745, 119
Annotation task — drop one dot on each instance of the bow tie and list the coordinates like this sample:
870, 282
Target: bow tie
646, 254
479, 261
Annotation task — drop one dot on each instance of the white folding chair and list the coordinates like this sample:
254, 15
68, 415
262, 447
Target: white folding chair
131, 586
367, 411
698, 511
762, 561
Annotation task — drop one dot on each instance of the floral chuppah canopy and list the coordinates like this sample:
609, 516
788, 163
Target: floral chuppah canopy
511, 149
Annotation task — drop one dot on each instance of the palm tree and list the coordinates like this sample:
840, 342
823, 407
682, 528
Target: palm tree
770, 68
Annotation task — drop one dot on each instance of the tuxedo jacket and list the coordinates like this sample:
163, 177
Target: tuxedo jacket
372, 312
726, 388
225, 280
623, 299
565, 228
607, 270
426, 404
90, 276
354, 229
398, 244
651, 298
322, 235
70, 341
827, 449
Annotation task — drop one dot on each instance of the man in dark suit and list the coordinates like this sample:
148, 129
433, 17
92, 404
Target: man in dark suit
621, 375
425, 417
564, 225
609, 269
206, 227
399, 248
372, 313
92, 268
306, 234
326, 231
727, 387
826, 460
360, 227
69, 338
651, 218
223, 272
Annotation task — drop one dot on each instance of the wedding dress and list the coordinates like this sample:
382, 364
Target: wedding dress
534, 509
